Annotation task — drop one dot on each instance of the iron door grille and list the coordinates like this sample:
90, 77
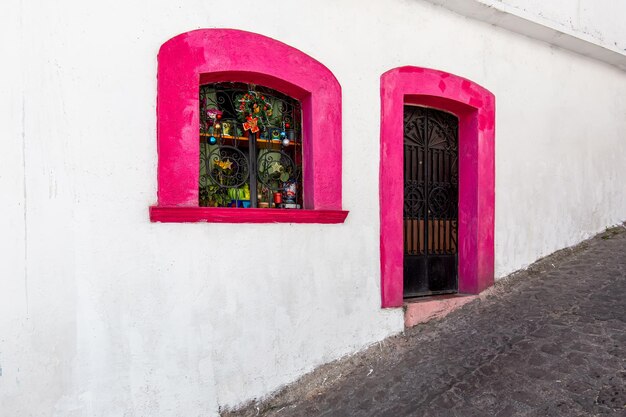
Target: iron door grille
430, 201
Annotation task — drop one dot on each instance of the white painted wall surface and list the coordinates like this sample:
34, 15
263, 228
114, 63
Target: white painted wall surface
103, 313
588, 27
604, 21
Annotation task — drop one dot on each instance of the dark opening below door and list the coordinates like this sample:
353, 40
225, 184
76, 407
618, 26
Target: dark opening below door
431, 178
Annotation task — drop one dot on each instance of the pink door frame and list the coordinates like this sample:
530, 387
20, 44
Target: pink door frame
475, 108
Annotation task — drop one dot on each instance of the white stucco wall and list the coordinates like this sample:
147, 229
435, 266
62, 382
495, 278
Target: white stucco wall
103, 313
602, 21
592, 28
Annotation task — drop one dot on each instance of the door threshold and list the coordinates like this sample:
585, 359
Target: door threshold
420, 297
424, 309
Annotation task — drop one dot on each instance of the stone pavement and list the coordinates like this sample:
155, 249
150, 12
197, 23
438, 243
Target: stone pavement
548, 341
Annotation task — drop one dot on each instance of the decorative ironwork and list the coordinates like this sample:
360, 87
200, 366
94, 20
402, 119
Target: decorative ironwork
430, 201
250, 146
275, 168
227, 166
413, 199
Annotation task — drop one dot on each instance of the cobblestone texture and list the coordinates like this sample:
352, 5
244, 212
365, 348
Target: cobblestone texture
548, 341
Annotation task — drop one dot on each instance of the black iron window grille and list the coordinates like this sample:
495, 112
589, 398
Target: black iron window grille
250, 147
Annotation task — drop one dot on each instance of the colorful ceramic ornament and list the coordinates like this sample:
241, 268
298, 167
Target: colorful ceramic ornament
214, 113
275, 167
227, 164
251, 124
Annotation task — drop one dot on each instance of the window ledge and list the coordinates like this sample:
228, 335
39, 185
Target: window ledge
169, 214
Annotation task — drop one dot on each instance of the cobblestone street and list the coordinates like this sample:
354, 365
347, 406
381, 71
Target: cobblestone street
548, 341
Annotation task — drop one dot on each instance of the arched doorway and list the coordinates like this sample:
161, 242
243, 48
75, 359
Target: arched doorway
474, 106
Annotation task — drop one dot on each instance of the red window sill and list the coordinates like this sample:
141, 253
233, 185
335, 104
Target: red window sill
243, 215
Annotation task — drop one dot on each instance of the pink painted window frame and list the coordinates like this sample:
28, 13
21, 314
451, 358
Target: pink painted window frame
475, 108
214, 55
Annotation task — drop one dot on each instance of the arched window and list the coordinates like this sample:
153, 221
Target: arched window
197, 66
250, 147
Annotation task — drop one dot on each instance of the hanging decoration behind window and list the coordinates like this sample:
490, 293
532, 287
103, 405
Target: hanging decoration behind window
250, 147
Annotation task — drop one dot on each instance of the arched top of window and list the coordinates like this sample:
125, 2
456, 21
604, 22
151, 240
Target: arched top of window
250, 147
207, 56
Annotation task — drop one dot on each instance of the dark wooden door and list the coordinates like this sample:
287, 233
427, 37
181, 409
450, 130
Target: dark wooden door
431, 178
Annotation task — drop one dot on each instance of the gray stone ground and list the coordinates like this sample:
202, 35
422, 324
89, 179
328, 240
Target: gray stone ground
548, 341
